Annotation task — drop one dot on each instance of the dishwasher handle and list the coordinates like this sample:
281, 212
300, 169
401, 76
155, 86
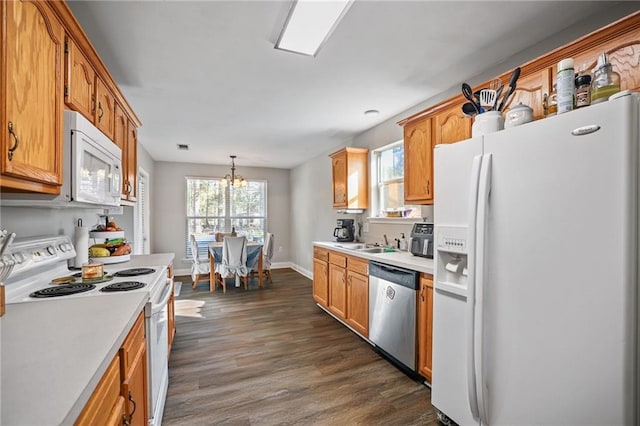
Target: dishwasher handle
401, 276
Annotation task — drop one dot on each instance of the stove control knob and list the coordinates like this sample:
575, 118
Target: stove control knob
51, 250
63, 247
18, 257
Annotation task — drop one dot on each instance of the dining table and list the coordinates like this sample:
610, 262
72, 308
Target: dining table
254, 260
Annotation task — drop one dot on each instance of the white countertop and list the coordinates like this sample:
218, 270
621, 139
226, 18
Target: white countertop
54, 353
402, 259
148, 260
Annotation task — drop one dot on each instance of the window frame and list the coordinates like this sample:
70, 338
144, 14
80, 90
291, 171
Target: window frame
227, 219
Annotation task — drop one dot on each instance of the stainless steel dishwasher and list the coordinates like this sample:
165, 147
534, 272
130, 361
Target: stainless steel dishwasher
392, 312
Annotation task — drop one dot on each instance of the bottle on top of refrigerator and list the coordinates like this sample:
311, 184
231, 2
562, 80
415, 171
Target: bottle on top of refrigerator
605, 82
565, 85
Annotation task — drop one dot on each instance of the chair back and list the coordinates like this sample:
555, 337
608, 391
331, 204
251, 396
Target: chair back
194, 248
234, 255
268, 250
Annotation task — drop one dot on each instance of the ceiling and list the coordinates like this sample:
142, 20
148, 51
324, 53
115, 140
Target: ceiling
206, 74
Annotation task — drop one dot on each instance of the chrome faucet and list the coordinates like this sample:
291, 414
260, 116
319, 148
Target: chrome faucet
386, 241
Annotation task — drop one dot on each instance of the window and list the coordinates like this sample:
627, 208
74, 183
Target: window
212, 208
389, 178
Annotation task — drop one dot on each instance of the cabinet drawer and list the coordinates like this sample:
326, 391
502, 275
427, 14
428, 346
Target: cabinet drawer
132, 343
100, 406
358, 265
338, 259
321, 254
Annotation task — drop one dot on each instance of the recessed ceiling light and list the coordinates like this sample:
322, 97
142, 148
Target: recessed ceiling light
309, 24
371, 112
183, 147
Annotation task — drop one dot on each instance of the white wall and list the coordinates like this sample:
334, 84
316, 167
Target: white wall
314, 218
169, 215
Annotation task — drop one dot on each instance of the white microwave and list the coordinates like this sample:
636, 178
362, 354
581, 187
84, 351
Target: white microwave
91, 173
96, 162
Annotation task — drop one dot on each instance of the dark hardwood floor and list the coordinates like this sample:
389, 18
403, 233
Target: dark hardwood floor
270, 356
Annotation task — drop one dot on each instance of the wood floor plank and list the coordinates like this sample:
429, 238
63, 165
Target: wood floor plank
270, 356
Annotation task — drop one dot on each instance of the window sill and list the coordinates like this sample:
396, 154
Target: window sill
394, 219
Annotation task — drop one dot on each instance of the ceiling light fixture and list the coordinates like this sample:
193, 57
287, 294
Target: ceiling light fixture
371, 112
233, 179
309, 25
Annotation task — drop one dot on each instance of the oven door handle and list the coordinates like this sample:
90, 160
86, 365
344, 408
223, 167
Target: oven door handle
157, 307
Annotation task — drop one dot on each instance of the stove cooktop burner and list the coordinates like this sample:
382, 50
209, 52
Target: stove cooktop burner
134, 272
62, 290
123, 286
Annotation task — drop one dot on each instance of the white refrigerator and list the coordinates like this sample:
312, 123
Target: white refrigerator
536, 279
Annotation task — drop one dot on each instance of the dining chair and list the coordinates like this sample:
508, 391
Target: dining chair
199, 267
267, 255
234, 262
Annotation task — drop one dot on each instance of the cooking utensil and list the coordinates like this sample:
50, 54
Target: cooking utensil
7, 241
512, 87
468, 94
469, 109
487, 98
498, 93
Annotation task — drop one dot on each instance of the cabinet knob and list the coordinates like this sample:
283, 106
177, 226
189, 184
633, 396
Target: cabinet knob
16, 141
428, 186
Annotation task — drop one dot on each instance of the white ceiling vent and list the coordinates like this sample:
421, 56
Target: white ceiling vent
183, 147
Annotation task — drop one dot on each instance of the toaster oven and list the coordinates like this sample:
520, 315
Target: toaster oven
421, 241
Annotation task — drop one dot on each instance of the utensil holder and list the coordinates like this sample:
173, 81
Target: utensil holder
487, 122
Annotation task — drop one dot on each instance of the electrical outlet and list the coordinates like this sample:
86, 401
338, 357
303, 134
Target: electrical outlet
365, 226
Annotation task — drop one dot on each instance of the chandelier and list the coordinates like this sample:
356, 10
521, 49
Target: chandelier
233, 179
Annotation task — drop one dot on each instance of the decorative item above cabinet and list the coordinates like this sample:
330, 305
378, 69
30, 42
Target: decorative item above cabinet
350, 173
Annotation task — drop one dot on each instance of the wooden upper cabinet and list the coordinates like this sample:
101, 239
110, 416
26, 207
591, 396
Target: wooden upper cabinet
79, 81
105, 109
530, 90
31, 105
130, 162
418, 162
120, 129
624, 55
350, 178
451, 125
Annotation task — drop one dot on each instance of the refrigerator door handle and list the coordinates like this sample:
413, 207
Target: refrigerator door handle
480, 274
471, 261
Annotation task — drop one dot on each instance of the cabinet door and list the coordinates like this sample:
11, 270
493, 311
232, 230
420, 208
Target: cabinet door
530, 90
451, 125
105, 109
118, 416
31, 105
418, 162
321, 282
79, 81
358, 302
171, 318
104, 399
425, 326
339, 169
338, 291
134, 390
120, 134
131, 158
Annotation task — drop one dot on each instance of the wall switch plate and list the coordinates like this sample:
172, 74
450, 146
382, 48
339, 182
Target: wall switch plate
365, 226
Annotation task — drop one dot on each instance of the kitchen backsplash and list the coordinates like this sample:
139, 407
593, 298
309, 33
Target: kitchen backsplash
392, 229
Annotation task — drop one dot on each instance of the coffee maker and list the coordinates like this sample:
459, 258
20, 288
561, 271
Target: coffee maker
344, 232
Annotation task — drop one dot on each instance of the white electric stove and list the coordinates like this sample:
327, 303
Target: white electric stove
41, 274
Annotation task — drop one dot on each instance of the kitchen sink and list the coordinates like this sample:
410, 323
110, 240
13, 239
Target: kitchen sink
376, 250
351, 246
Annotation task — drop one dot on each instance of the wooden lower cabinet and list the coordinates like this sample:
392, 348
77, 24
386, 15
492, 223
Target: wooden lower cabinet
106, 402
171, 307
338, 290
425, 326
321, 282
121, 396
358, 302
